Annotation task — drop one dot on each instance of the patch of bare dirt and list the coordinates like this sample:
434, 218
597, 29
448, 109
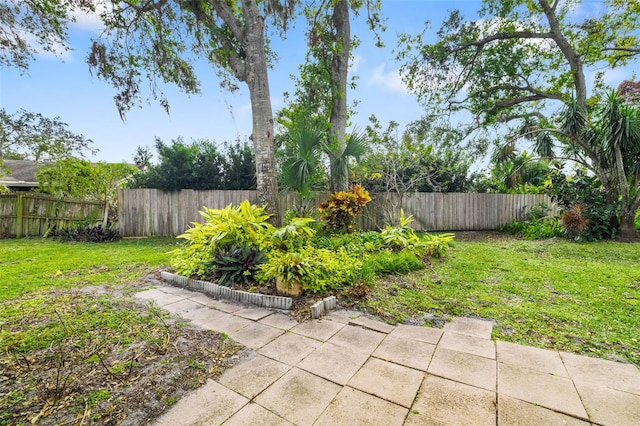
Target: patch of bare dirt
102, 376
482, 236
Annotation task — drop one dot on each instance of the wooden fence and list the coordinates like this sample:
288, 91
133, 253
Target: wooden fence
31, 215
149, 212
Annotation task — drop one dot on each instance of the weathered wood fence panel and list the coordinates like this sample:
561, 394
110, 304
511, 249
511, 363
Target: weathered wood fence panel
148, 212
31, 215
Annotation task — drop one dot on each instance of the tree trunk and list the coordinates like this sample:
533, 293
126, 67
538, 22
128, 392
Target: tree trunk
339, 70
627, 226
262, 132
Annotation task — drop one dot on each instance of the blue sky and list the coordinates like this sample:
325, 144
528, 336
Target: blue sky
63, 87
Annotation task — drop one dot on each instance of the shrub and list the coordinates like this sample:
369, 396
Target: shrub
573, 222
387, 262
403, 237
438, 245
341, 207
295, 233
317, 270
235, 264
86, 234
222, 229
534, 229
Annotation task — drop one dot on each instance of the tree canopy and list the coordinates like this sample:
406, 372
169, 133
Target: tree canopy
520, 69
27, 135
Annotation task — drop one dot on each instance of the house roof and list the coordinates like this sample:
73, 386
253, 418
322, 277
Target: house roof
21, 173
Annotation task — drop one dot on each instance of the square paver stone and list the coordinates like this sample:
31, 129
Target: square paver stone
251, 377
546, 390
255, 335
204, 317
541, 360
253, 313
212, 403
342, 316
158, 297
421, 334
410, 353
513, 412
204, 300
184, 305
255, 415
229, 324
289, 348
298, 396
317, 329
445, 402
470, 326
466, 368
616, 375
609, 406
178, 291
225, 307
358, 339
372, 324
281, 321
333, 362
468, 344
353, 408
389, 381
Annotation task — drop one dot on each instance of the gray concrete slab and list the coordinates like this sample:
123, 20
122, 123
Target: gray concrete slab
609, 406
251, 377
225, 307
358, 339
298, 396
178, 291
158, 297
445, 402
470, 326
181, 306
513, 412
256, 335
229, 324
393, 382
342, 316
541, 360
333, 362
409, 353
278, 320
254, 314
204, 317
616, 375
354, 408
204, 300
554, 392
468, 344
465, 368
210, 404
372, 324
317, 329
255, 415
290, 348
421, 334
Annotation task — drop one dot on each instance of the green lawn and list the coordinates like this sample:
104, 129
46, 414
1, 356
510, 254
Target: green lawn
28, 265
555, 294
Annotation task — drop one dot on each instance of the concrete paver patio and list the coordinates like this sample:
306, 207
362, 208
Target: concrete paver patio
347, 369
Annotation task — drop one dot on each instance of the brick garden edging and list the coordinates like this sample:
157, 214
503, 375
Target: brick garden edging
257, 299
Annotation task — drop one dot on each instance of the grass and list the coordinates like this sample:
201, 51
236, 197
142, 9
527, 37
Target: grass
75, 346
557, 294
30, 265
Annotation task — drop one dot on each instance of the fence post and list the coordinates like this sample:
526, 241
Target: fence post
19, 217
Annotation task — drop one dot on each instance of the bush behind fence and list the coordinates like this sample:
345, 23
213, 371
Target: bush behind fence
151, 212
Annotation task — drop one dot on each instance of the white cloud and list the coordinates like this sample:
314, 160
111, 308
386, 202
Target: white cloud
90, 21
389, 81
354, 64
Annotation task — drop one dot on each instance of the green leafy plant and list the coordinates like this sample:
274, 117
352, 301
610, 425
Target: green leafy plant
341, 207
437, 245
388, 263
86, 234
245, 224
236, 264
403, 237
295, 233
534, 229
291, 270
